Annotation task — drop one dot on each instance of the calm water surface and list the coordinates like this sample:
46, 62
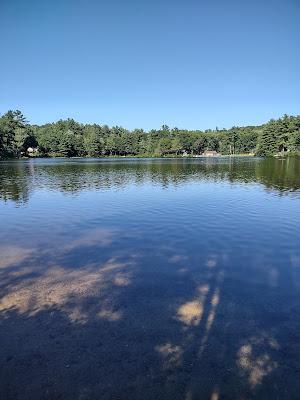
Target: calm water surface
150, 279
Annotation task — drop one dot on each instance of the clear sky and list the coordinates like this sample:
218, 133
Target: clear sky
144, 63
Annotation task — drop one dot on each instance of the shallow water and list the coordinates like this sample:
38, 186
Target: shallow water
147, 279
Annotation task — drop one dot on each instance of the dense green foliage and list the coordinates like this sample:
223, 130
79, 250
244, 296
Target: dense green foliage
70, 138
16, 135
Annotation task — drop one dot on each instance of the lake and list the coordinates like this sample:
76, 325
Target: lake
150, 279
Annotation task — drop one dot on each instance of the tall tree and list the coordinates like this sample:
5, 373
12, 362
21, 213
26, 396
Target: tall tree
267, 142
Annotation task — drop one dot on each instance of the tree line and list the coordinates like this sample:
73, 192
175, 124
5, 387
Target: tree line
70, 138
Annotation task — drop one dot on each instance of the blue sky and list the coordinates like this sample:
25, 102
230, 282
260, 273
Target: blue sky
141, 63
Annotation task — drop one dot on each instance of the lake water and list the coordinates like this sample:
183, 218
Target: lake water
150, 279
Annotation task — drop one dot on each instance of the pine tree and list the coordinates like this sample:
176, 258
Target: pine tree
267, 142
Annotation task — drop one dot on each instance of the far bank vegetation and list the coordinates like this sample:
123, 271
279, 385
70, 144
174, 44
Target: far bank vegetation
69, 138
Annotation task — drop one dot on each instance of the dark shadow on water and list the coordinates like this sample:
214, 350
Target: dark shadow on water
134, 325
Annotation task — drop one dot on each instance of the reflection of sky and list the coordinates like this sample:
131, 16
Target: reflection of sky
197, 210
205, 214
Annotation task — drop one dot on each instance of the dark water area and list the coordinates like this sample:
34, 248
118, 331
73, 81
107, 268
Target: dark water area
150, 279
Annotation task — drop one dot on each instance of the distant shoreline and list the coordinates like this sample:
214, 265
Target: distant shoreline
222, 156
68, 138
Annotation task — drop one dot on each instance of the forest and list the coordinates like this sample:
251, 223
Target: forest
68, 138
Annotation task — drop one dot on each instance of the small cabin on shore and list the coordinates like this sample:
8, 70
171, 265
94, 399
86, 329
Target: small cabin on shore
210, 153
32, 151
